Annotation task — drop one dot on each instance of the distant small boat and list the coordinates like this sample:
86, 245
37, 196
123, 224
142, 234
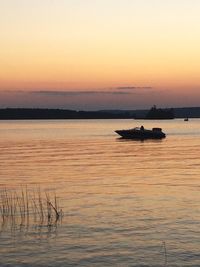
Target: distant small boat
140, 133
186, 119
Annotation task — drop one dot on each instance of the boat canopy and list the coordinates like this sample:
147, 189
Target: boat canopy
157, 129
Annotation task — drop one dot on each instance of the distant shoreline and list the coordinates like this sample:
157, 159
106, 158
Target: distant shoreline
58, 114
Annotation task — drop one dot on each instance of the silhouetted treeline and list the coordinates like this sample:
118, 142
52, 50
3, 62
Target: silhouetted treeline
34, 114
185, 112
160, 114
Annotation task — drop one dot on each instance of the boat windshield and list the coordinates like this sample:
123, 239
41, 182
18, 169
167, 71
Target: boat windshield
136, 128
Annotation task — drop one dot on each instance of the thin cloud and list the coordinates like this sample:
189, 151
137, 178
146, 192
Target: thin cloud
133, 87
121, 90
76, 93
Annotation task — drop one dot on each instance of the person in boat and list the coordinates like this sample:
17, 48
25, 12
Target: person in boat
142, 128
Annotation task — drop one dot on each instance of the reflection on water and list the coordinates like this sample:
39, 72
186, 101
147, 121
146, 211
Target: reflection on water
20, 231
126, 203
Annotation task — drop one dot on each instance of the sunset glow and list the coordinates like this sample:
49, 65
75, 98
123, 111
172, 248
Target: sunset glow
98, 46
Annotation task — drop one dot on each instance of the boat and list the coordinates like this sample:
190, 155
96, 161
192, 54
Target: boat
141, 133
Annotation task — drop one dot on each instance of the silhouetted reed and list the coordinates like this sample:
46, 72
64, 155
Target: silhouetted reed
24, 205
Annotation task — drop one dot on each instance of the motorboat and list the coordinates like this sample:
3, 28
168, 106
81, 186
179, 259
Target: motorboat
141, 133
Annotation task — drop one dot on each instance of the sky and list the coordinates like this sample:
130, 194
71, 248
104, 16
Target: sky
99, 54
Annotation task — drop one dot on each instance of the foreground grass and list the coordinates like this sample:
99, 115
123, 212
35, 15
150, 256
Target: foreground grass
24, 205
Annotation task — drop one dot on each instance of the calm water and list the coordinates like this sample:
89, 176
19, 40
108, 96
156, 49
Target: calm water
126, 203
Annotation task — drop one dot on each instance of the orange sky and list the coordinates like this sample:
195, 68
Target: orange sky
100, 45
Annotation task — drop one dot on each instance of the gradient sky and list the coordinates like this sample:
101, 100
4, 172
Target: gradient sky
95, 54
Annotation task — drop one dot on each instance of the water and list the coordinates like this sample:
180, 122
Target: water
126, 203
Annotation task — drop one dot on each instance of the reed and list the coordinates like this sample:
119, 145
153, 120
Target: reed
24, 205
165, 253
